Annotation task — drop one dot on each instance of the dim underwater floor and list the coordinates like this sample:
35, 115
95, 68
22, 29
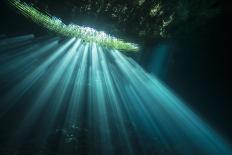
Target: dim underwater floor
66, 96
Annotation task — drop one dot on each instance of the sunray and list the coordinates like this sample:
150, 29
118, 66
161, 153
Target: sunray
105, 92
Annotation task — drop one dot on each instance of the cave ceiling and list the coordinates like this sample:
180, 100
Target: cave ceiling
137, 20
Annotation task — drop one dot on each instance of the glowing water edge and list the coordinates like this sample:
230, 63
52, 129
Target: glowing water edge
72, 97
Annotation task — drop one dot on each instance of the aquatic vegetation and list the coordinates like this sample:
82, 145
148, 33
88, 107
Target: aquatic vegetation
155, 9
86, 33
166, 23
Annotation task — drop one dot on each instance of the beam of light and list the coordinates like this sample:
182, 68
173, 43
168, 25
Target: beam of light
76, 98
123, 109
97, 103
23, 56
21, 88
129, 94
47, 91
85, 33
159, 60
62, 75
110, 91
15, 42
171, 114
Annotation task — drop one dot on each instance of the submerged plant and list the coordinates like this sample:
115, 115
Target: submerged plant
86, 33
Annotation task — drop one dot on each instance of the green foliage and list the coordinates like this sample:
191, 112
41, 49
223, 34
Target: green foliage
56, 25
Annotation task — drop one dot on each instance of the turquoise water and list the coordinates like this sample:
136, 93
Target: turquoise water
70, 97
